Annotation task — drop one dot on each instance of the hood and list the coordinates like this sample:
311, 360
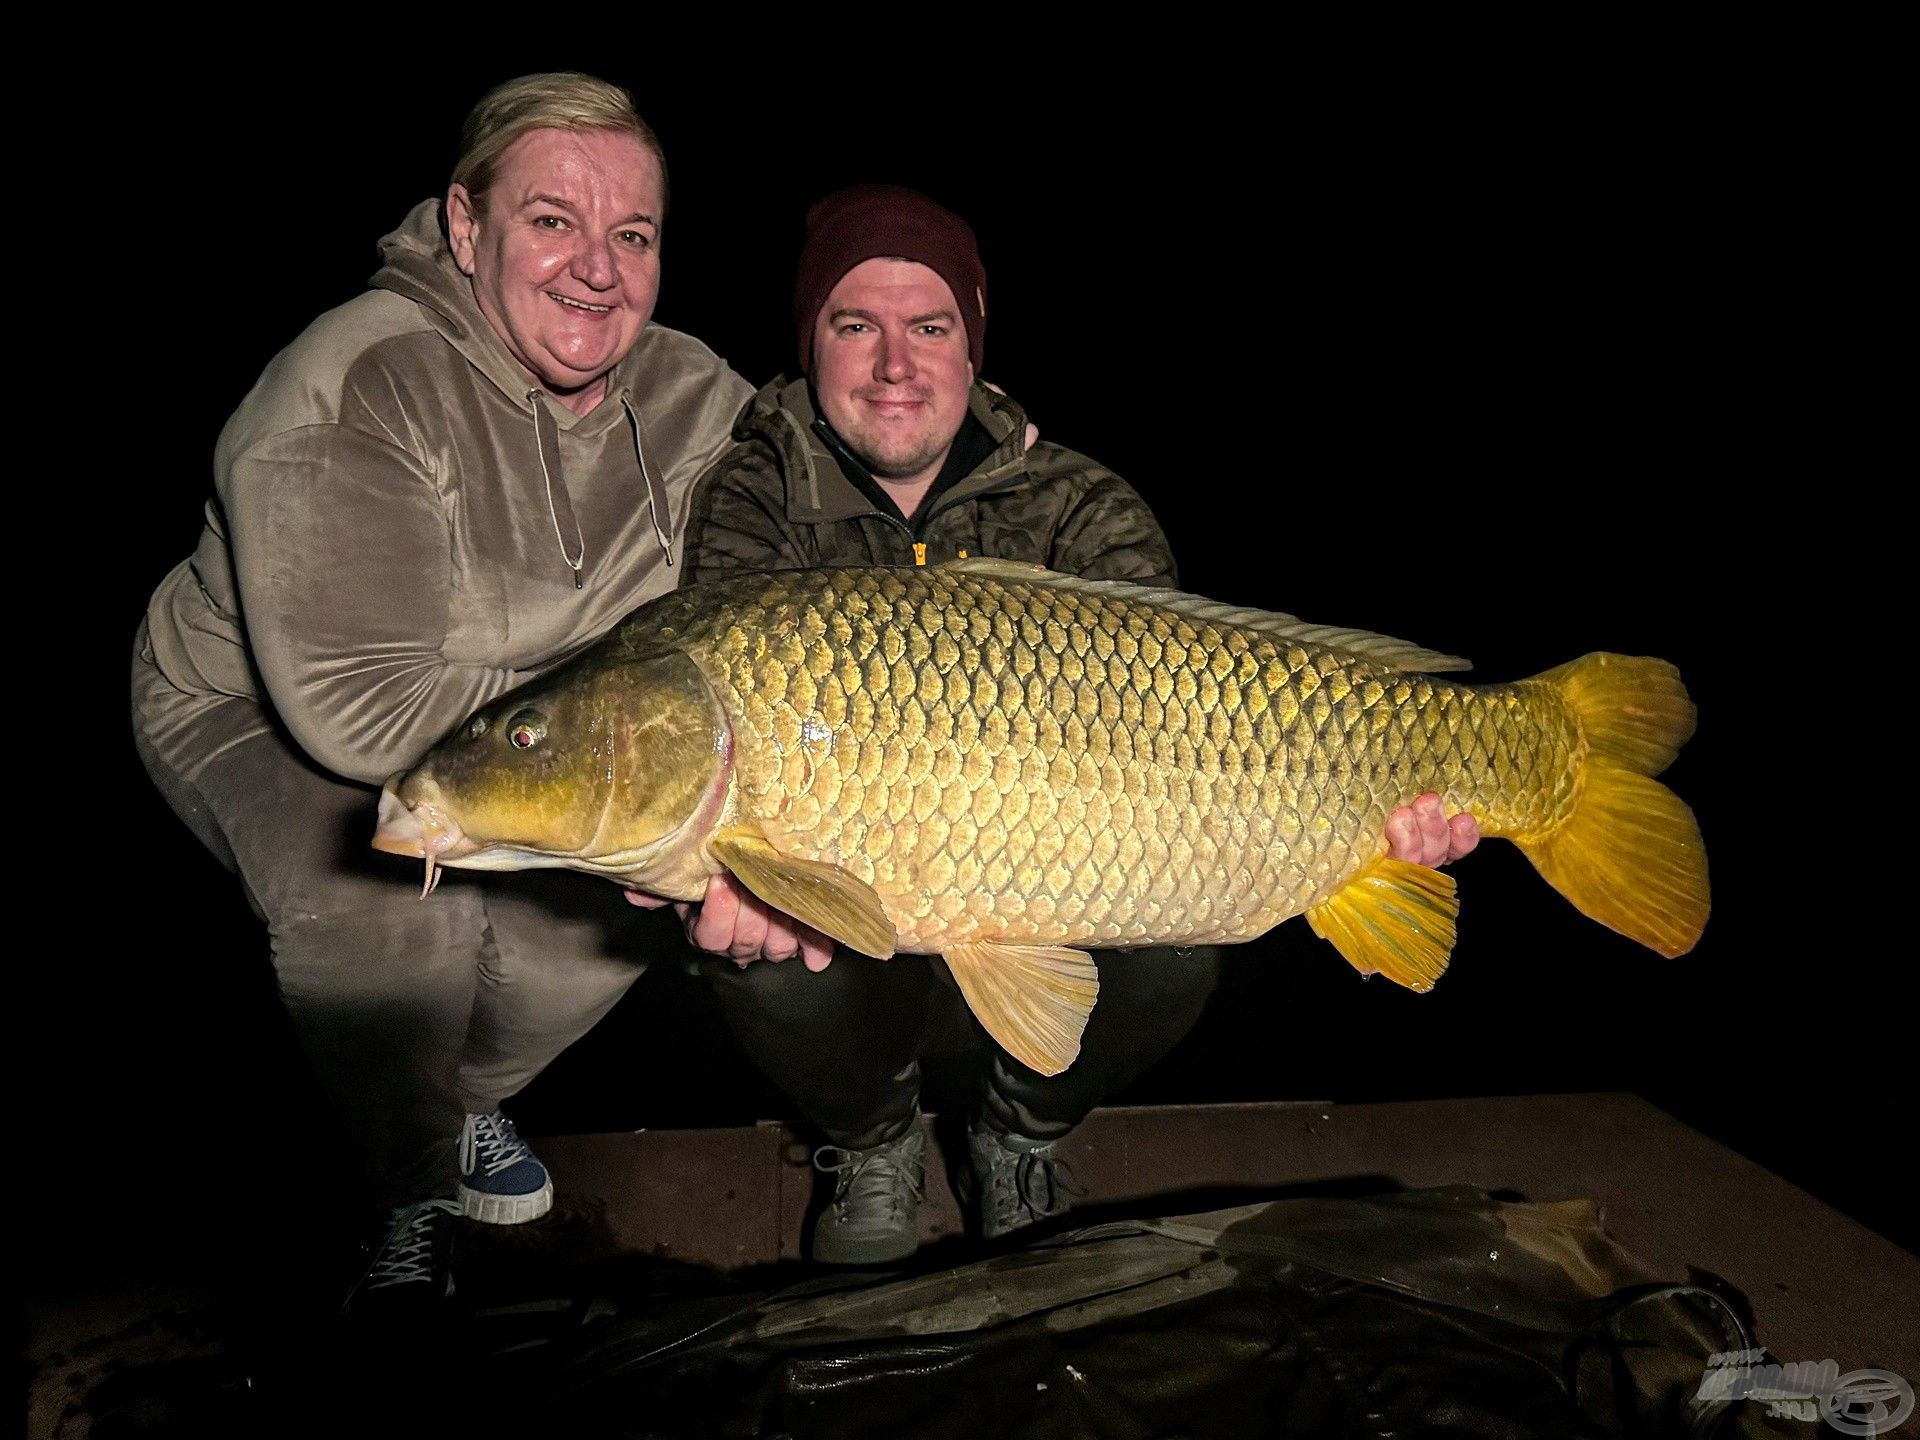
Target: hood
415, 261
418, 264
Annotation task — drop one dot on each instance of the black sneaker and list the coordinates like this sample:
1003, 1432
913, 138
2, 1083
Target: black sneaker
411, 1274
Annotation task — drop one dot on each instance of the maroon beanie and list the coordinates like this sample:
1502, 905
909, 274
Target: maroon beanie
864, 222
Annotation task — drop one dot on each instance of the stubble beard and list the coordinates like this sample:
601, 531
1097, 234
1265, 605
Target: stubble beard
893, 464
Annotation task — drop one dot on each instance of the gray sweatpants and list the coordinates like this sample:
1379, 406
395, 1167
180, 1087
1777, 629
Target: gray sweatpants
411, 1012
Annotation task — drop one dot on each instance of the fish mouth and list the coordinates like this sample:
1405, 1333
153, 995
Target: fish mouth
420, 830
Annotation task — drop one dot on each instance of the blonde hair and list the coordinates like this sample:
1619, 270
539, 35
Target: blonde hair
557, 100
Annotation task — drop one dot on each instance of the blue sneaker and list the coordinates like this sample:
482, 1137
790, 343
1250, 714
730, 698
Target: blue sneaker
502, 1182
411, 1273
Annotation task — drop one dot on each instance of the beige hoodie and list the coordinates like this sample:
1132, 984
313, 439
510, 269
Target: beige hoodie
397, 510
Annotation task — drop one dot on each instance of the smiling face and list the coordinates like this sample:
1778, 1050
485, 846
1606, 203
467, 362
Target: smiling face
563, 249
890, 367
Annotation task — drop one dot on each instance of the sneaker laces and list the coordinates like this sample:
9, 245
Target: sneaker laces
880, 1173
407, 1254
491, 1142
1035, 1181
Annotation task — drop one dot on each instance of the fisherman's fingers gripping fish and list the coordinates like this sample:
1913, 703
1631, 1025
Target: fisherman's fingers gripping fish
998, 764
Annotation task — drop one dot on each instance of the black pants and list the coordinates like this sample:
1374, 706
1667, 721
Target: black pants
845, 1043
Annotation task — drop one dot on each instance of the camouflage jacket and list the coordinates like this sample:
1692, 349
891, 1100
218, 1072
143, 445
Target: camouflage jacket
778, 499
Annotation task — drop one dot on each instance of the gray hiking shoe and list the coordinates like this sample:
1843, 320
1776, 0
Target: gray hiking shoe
874, 1218
1014, 1182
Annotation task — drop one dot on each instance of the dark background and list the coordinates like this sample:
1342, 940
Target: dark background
1462, 358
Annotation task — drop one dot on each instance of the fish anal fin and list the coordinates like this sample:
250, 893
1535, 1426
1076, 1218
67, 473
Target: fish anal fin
832, 900
1032, 999
1395, 919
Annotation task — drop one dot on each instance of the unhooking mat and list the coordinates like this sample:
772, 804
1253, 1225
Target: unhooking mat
1436, 1313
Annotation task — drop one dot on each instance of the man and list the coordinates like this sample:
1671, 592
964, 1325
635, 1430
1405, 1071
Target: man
888, 451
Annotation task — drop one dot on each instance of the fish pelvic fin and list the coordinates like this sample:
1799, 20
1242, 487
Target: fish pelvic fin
1032, 999
1395, 919
832, 900
1629, 853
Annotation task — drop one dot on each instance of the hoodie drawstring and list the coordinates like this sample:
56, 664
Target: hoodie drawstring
656, 492
559, 502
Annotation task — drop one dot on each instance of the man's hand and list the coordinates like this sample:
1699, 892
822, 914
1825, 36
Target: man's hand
1422, 833
733, 922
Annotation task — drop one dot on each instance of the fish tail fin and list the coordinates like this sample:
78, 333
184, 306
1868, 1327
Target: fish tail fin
1629, 852
1632, 708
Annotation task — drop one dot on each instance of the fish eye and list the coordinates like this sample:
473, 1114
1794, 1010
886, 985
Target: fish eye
528, 730
476, 727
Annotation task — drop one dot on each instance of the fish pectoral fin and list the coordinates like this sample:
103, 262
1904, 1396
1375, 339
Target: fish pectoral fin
832, 900
1032, 999
994, 568
1395, 919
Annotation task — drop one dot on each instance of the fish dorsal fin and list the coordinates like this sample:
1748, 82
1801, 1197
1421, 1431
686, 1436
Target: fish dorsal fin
834, 901
1032, 999
1363, 644
1395, 919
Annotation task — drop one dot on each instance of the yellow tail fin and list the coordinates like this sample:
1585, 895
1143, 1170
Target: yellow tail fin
1629, 853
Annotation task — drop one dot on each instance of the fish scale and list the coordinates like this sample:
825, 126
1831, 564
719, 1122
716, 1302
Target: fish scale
997, 764
1239, 730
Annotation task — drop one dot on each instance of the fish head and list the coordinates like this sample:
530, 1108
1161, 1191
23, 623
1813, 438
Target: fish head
615, 766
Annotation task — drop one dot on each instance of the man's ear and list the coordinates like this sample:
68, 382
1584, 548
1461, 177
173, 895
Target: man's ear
462, 225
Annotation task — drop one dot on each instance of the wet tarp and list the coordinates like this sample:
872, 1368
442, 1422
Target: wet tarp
1434, 1313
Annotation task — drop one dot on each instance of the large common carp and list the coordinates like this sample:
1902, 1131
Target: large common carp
996, 763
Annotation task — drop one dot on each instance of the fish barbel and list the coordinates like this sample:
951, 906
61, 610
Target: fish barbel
999, 764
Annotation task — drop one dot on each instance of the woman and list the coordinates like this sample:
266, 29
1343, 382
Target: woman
440, 489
